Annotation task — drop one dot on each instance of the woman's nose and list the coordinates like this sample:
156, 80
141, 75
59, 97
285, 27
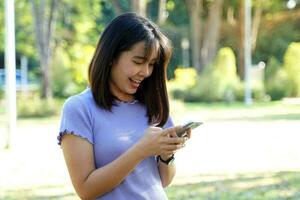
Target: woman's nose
145, 70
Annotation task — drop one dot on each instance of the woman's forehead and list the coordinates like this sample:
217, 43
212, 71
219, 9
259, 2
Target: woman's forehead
143, 51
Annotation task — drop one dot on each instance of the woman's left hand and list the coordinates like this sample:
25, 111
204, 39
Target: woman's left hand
173, 134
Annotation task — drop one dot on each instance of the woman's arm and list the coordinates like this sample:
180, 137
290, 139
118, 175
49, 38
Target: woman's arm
167, 172
90, 182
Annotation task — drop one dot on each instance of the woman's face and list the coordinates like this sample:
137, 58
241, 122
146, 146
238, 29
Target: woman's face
129, 70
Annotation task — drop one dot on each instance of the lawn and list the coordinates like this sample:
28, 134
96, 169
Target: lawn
265, 111
258, 186
251, 186
268, 185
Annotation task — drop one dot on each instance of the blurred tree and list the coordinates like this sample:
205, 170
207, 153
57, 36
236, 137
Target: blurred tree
211, 33
195, 9
44, 19
139, 6
79, 26
204, 33
162, 12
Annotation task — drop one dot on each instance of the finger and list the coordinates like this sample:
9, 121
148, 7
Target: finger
170, 130
154, 128
189, 133
174, 147
170, 152
174, 140
173, 134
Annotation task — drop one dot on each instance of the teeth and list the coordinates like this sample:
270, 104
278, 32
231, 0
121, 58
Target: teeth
136, 81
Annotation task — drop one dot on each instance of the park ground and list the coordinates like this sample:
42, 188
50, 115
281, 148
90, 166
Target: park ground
240, 152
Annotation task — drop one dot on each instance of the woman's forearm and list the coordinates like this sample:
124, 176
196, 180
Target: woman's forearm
167, 173
104, 179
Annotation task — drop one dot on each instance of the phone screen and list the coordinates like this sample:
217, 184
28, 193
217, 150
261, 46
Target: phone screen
191, 125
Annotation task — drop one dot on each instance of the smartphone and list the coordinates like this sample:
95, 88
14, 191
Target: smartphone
192, 125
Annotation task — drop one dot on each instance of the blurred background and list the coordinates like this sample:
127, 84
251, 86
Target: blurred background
235, 66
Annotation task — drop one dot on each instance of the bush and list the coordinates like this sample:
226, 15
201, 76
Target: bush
275, 79
33, 106
272, 68
185, 79
292, 66
217, 82
277, 86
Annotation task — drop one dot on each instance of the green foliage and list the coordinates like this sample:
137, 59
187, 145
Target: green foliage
33, 106
62, 84
275, 45
1, 94
218, 82
292, 66
272, 67
185, 79
277, 85
2, 26
276, 80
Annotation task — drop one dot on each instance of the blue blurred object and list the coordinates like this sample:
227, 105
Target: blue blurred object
2, 77
30, 83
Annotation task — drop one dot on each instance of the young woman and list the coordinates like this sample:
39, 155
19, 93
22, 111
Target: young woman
117, 138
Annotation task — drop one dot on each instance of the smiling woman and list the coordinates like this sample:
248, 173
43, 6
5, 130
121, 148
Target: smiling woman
117, 137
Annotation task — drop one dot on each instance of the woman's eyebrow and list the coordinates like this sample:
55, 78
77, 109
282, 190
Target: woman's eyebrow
143, 58
139, 57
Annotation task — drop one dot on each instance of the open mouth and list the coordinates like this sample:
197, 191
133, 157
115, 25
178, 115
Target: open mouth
135, 83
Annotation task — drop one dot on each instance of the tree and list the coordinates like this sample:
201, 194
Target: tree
44, 19
204, 39
195, 8
162, 12
139, 6
211, 33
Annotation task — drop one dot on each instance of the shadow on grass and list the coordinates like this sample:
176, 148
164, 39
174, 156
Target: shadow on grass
39, 193
258, 186
266, 117
269, 186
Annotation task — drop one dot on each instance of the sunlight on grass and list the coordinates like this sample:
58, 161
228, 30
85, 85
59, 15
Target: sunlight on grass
266, 186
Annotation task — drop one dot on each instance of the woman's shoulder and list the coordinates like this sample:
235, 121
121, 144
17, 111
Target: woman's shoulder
84, 98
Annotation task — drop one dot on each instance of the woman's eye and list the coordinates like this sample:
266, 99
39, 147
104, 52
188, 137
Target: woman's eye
138, 63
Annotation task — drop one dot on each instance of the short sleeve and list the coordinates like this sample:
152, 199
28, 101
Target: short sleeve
76, 120
169, 123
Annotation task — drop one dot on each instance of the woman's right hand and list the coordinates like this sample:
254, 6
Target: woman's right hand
158, 141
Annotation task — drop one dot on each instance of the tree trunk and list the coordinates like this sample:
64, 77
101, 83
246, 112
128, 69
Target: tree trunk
255, 26
117, 6
139, 6
162, 12
211, 36
241, 35
195, 7
43, 26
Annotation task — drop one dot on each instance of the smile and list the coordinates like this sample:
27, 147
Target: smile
136, 81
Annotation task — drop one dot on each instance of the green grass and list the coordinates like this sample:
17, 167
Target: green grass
253, 186
267, 186
270, 111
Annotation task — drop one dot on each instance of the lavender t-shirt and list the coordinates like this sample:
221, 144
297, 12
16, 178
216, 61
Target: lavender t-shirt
111, 134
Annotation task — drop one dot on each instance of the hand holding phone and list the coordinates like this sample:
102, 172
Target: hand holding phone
192, 125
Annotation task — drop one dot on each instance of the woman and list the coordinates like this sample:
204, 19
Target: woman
117, 139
